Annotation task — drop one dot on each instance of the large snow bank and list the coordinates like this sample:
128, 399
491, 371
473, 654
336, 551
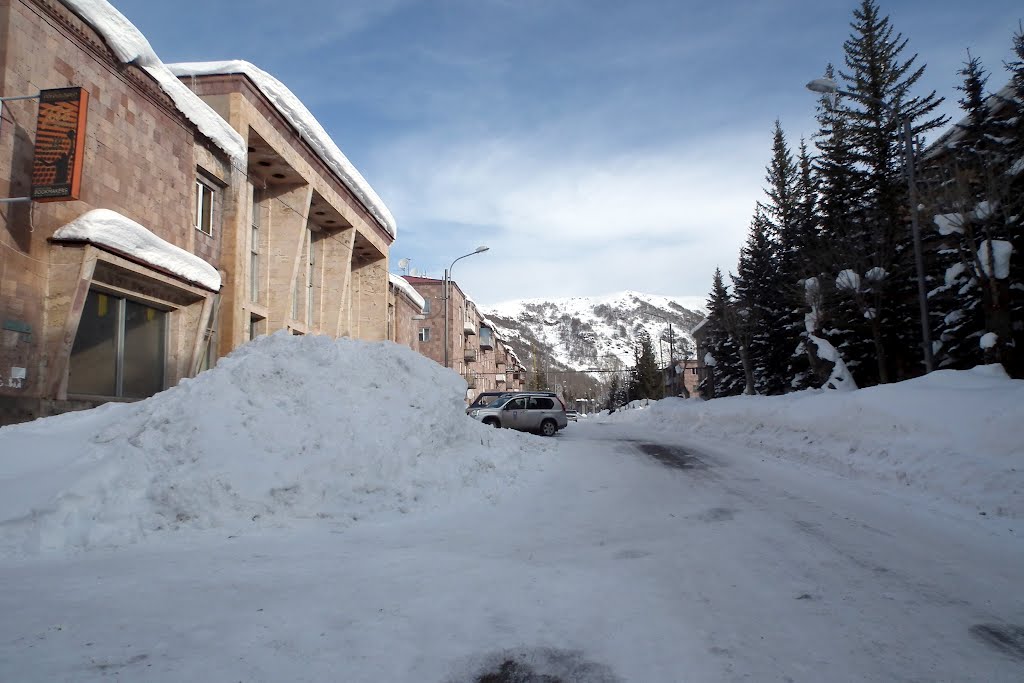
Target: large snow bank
284, 428
955, 435
110, 229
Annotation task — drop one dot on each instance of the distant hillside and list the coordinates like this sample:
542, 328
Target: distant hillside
582, 333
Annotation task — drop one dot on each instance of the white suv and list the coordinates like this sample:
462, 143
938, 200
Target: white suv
527, 412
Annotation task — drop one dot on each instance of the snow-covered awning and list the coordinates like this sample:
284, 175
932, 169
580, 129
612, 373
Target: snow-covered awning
131, 47
400, 282
106, 228
308, 128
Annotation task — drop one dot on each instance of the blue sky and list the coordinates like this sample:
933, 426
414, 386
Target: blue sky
594, 146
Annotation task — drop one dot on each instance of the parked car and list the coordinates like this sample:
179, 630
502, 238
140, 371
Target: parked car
486, 398
543, 413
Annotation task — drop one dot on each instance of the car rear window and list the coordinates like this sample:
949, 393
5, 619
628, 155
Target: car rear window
541, 403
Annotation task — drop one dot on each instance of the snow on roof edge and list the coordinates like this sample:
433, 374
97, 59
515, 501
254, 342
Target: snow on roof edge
401, 283
309, 129
131, 47
106, 228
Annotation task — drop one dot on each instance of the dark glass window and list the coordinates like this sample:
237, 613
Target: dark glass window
93, 367
119, 350
143, 357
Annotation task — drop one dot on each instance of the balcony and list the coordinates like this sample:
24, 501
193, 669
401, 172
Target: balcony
468, 328
471, 381
500, 378
469, 354
486, 338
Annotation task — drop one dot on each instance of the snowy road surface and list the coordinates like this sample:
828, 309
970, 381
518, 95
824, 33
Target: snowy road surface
629, 558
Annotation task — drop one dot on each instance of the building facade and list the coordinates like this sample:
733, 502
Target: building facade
116, 311
301, 251
474, 349
405, 310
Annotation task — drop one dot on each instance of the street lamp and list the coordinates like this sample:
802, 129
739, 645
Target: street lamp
447, 295
829, 86
671, 353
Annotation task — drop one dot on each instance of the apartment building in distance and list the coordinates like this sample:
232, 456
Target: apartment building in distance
474, 349
405, 310
152, 219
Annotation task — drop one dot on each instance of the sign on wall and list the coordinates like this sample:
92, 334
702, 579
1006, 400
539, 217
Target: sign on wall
60, 144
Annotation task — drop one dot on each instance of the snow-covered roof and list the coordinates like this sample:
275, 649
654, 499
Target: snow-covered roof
131, 47
699, 325
956, 132
309, 129
106, 228
399, 282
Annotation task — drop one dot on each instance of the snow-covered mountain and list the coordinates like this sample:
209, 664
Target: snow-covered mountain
581, 333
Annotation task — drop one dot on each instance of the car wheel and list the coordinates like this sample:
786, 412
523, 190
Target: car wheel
548, 428
492, 422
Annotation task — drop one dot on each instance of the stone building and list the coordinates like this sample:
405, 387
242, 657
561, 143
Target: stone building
405, 310
474, 349
193, 228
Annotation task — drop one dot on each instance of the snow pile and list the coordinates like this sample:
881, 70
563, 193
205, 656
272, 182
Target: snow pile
955, 435
284, 428
110, 229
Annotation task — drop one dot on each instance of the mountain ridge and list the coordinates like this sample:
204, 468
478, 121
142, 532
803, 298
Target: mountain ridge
581, 337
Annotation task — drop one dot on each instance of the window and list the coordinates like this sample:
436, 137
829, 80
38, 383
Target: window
426, 306
254, 248
540, 403
119, 349
424, 334
312, 245
210, 350
257, 326
204, 207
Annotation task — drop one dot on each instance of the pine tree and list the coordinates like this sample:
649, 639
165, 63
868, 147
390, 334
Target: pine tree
788, 209
874, 242
1013, 207
805, 243
723, 372
755, 321
979, 202
840, 238
645, 378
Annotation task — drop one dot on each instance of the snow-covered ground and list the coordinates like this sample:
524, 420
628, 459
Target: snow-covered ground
954, 436
324, 510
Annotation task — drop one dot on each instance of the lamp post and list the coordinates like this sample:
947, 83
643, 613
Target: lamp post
671, 353
447, 295
829, 86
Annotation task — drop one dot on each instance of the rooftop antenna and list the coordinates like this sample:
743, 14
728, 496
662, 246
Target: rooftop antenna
403, 265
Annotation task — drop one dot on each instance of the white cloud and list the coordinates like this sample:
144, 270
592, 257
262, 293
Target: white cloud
582, 222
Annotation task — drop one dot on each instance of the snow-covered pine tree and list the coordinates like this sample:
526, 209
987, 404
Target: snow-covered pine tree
840, 237
976, 195
876, 72
723, 375
1014, 208
953, 180
788, 204
804, 246
645, 380
759, 307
